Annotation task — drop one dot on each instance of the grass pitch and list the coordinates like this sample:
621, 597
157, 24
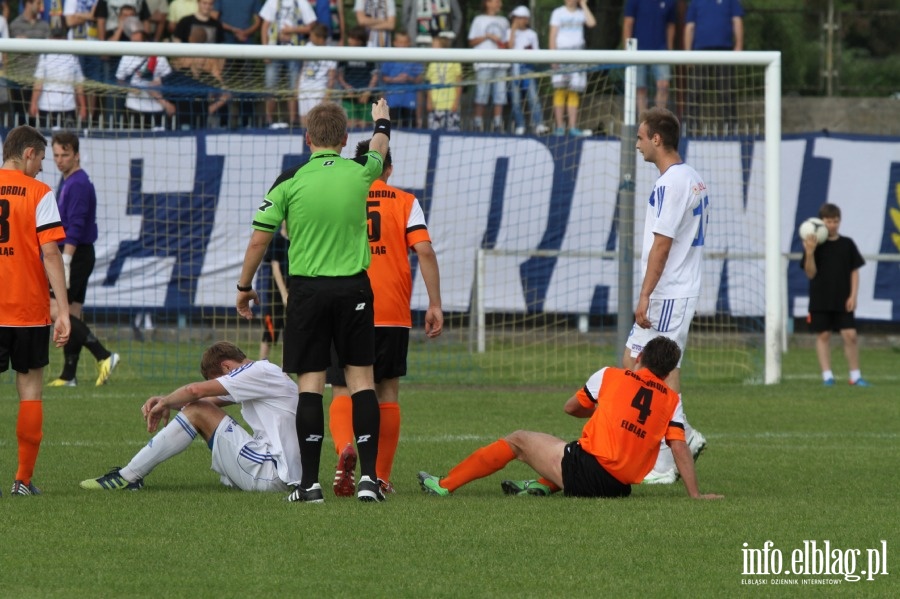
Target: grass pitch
797, 462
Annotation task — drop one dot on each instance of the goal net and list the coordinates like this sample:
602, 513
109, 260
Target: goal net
534, 230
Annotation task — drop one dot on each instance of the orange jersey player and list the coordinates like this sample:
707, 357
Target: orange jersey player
396, 225
30, 228
629, 413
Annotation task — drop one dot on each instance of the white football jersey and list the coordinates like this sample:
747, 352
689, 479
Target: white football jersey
679, 209
268, 399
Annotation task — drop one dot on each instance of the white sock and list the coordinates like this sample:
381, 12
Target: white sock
665, 461
827, 374
170, 441
855, 375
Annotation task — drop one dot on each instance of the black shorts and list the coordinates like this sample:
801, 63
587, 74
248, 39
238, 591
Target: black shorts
391, 347
27, 348
326, 310
583, 476
835, 321
81, 268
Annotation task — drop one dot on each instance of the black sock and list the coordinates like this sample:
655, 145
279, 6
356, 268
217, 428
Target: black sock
72, 349
70, 365
366, 421
87, 339
310, 432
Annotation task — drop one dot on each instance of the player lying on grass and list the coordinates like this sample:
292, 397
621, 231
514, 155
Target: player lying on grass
629, 413
267, 460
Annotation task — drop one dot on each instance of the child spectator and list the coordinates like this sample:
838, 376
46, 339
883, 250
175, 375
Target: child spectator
489, 31
316, 76
357, 78
399, 80
331, 14
523, 37
833, 271
567, 25
444, 96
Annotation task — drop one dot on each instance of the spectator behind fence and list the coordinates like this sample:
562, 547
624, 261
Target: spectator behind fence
652, 23
379, 17
399, 81
158, 22
145, 106
196, 87
240, 19
179, 9
523, 37
489, 31
114, 13
58, 95
356, 78
4, 84
20, 67
713, 25
202, 19
331, 14
567, 25
85, 26
317, 76
445, 94
425, 19
284, 23
241, 22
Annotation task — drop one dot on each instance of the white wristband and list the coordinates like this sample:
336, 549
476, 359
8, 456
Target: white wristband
67, 259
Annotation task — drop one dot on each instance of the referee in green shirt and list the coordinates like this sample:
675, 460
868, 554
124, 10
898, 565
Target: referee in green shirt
323, 203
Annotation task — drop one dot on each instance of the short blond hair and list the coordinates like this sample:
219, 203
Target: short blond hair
326, 125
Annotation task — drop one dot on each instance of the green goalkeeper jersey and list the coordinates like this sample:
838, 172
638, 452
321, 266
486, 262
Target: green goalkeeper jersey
324, 205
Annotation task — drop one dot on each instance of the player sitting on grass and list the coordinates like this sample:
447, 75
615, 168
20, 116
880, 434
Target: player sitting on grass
267, 460
629, 413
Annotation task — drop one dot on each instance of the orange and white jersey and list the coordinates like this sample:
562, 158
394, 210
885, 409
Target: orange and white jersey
396, 223
633, 412
29, 218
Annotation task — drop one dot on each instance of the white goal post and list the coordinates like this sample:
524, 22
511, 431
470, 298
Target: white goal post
769, 61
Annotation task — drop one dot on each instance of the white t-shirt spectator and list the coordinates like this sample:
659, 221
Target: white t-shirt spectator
377, 9
483, 25
58, 74
570, 35
286, 13
137, 73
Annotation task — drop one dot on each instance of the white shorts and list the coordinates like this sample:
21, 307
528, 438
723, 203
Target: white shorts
669, 318
576, 82
241, 461
309, 100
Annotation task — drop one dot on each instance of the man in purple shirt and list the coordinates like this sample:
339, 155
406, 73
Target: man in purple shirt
77, 202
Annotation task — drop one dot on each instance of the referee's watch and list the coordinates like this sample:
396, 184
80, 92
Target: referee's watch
242, 288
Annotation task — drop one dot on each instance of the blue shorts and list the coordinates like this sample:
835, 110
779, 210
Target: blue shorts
661, 72
491, 82
274, 71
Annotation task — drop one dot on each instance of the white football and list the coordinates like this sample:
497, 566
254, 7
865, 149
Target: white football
813, 226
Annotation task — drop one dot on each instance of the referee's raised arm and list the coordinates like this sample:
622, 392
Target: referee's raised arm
382, 117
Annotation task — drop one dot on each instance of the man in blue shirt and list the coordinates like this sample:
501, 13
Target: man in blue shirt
652, 23
714, 25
